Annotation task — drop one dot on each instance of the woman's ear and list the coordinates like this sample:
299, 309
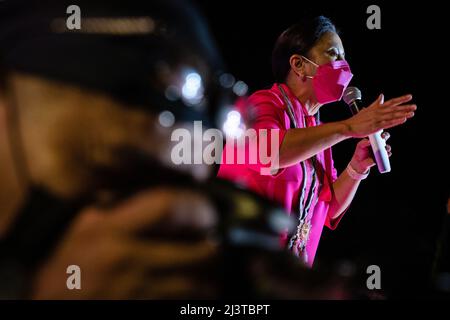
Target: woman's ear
297, 64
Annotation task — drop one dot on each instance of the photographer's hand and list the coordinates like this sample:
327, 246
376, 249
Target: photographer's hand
152, 245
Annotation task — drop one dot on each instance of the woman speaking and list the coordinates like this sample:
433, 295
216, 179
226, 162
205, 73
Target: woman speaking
309, 65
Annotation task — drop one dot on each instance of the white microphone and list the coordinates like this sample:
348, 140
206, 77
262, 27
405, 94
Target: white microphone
352, 97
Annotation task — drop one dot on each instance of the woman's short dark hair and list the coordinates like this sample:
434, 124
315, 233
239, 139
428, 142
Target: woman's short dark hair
298, 39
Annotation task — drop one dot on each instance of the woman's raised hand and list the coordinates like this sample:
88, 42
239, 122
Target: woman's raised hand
380, 115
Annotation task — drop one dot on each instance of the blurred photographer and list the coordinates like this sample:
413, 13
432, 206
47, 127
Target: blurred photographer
82, 144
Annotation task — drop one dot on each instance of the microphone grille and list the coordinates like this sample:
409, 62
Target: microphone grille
351, 94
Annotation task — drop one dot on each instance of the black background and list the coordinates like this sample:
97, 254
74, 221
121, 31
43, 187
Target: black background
396, 218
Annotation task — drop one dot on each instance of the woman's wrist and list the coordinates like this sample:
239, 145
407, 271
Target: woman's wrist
356, 165
345, 129
355, 174
341, 129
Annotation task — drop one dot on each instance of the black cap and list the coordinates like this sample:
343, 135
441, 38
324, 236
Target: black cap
131, 50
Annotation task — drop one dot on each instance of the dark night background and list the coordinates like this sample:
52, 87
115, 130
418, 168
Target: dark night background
396, 218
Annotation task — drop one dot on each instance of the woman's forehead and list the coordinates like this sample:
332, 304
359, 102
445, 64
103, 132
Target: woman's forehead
329, 40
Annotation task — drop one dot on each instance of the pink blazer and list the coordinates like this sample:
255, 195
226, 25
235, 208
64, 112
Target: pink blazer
266, 110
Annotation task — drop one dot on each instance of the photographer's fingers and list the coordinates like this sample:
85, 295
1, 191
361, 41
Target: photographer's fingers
165, 210
159, 255
142, 209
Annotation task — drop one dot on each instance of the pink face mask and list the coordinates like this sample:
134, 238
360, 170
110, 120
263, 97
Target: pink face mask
330, 80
